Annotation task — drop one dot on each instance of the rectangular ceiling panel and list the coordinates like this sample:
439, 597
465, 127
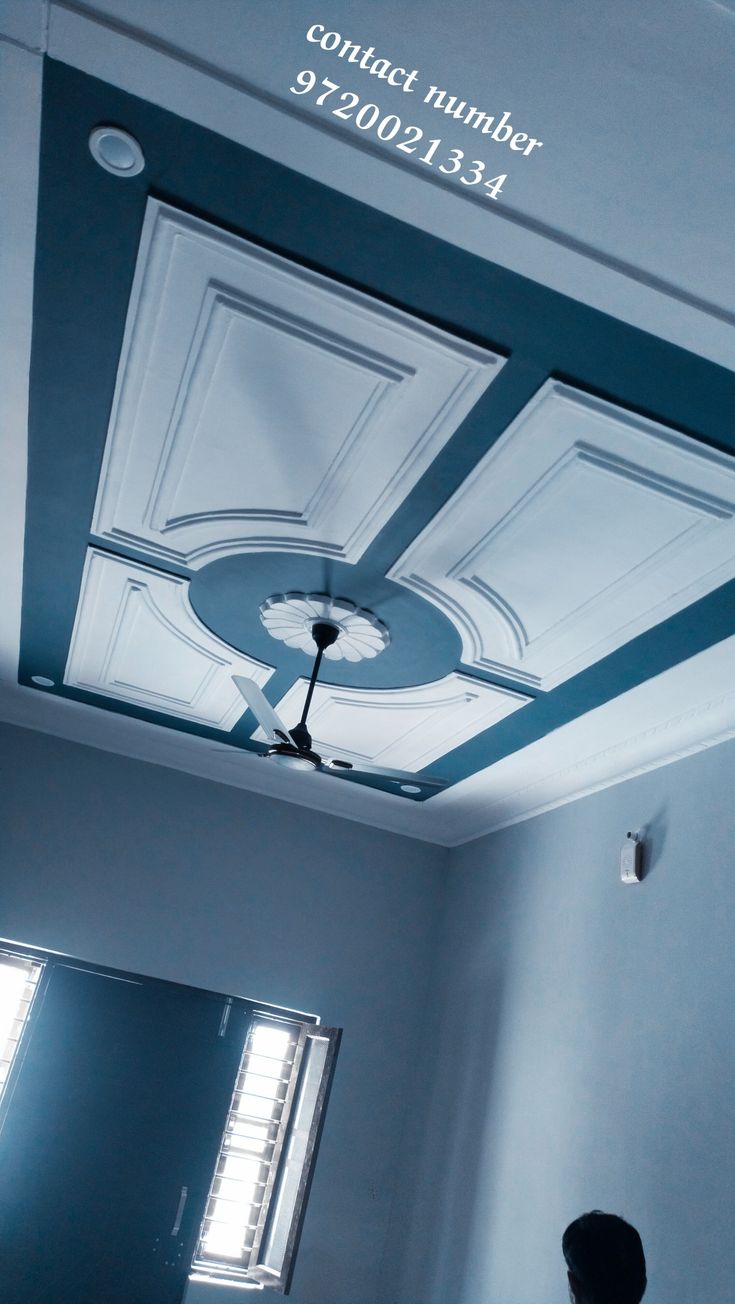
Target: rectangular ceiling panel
582, 527
262, 406
136, 638
405, 728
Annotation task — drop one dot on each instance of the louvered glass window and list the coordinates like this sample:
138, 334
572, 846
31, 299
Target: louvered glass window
253, 1213
18, 983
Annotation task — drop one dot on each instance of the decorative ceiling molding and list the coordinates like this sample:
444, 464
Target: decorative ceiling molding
589, 754
684, 710
137, 639
582, 527
292, 617
260, 406
404, 727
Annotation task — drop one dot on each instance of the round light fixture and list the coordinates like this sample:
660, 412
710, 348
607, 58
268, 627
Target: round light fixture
43, 681
413, 788
116, 151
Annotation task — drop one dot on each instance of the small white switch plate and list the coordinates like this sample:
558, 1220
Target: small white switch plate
631, 859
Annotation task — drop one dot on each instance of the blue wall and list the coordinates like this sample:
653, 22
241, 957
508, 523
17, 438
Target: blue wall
144, 868
577, 1034
582, 1052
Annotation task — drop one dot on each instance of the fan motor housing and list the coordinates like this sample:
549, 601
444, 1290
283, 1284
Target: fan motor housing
292, 757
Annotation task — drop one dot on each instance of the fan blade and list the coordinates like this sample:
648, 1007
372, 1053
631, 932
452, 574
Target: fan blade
395, 776
269, 721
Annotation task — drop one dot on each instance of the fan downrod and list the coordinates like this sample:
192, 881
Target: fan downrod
324, 634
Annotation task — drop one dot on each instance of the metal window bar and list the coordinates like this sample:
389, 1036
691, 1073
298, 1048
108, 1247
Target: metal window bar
253, 1138
18, 985
273, 1257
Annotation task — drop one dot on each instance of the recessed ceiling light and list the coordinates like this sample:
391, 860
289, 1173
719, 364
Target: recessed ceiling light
43, 681
116, 151
410, 787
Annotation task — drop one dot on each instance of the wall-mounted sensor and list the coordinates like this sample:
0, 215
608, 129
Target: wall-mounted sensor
631, 859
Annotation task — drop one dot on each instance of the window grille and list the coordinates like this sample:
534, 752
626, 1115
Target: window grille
253, 1215
255, 1207
18, 984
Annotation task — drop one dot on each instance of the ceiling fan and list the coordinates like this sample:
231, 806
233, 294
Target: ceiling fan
292, 748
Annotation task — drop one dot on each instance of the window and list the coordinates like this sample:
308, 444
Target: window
253, 1216
209, 1110
18, 985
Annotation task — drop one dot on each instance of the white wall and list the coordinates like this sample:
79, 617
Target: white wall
143, 868
583, 1053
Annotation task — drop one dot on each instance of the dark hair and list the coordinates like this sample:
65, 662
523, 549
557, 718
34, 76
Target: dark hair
605, 1255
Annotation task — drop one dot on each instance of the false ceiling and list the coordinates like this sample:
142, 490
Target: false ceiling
625, 204
246, 383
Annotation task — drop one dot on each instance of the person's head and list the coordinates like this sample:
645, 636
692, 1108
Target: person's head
605, 1259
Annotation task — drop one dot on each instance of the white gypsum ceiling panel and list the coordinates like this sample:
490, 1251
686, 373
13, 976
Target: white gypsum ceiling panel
261, 406
136, 638
404, 727
582, 527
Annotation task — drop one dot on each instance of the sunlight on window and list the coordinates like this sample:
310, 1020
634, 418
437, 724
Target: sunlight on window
233, 1217
18, 979
12, 982
223, 1241
269, 1041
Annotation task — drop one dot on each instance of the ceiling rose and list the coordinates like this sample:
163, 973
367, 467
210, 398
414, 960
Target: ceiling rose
290, 617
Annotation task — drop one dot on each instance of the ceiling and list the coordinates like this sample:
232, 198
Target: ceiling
287, 357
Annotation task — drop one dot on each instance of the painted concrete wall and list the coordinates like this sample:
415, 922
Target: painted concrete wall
583, 1051
144, 868
578, 1034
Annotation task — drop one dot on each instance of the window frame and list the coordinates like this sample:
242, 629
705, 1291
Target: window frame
265, 1268
280, 1279
27, 953
259, 1273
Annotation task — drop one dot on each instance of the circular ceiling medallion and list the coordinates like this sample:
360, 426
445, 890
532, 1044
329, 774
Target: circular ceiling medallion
116, 151
290, 617
227, 594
